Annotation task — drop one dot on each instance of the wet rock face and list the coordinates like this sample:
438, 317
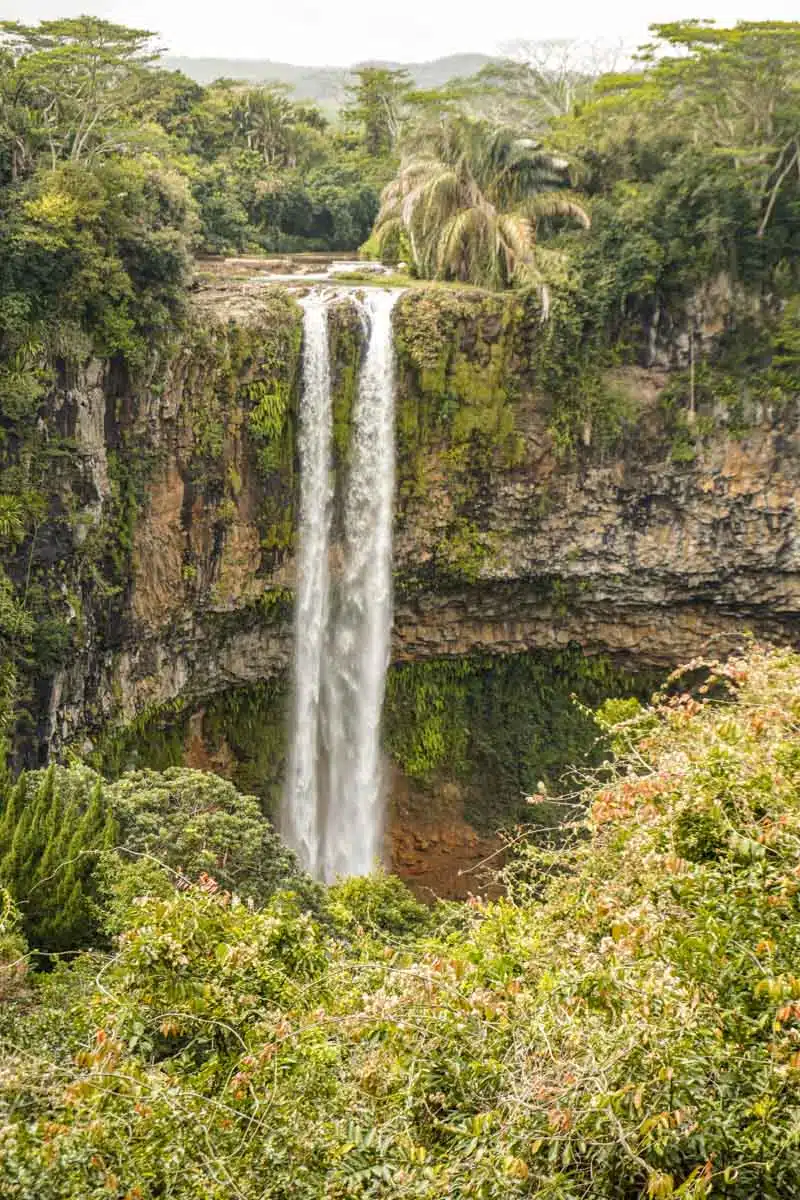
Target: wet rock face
503, 542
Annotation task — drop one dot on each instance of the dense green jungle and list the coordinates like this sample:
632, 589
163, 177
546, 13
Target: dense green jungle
574, 977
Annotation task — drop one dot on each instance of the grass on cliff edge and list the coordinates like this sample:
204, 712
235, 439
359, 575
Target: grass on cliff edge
625, 1023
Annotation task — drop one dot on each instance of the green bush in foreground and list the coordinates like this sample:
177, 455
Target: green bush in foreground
75, 850
54, 825
196, 822
625, 1023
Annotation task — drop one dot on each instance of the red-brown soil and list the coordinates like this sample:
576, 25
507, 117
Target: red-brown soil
432, 847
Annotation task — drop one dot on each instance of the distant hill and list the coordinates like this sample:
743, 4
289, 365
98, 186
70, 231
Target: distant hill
325, 85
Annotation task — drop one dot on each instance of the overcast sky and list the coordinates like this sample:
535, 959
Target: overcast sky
341, 32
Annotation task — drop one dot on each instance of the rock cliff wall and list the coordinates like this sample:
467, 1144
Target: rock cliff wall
626, 523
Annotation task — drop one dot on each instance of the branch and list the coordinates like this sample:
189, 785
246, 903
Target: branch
791, 161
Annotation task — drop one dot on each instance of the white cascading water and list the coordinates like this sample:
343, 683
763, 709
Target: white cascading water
301, 816
358, 647
333, 808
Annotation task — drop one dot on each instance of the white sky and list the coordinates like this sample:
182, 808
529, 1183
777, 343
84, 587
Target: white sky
341, 32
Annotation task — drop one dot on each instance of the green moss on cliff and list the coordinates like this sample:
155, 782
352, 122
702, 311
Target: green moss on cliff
455, 354
346, 344
242, 380
64, 504
457, 389
500, 725
463, 550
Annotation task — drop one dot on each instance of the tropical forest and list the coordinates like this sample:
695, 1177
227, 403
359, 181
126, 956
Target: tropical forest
400, 618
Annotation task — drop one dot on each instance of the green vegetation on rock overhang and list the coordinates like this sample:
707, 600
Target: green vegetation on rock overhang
633, 1000
500, 726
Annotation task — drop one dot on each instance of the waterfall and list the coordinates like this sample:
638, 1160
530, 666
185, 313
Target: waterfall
333, 805
358, 646
301, 817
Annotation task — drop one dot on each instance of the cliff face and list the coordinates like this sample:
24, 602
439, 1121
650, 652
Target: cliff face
631, 526
631, 553
656, 530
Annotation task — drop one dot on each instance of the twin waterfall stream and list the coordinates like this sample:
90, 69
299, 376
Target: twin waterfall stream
333, 808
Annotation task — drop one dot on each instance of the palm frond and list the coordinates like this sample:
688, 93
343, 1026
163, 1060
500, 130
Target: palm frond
439, 198
557, 204
517, 232
386, 231
463, 247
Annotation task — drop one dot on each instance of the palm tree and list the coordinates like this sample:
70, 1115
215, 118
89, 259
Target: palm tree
469, 202
265, 119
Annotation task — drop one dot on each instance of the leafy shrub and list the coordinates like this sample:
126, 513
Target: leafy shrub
378, 904
187, 965
195, 822
53, 826
75, 851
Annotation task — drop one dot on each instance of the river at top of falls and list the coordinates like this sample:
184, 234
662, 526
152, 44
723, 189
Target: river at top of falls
333, 806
